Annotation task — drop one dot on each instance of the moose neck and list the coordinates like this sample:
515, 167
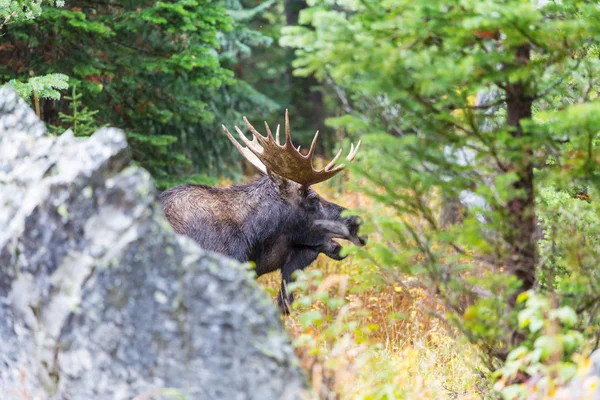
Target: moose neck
268, 211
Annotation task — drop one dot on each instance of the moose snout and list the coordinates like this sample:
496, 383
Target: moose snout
353, 223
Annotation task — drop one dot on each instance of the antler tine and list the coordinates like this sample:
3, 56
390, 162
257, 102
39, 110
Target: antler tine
246, 152
313, 145
256, 134
269, 134
270, 156
332, 162
353, 151
253, 145
288, 135
232, 139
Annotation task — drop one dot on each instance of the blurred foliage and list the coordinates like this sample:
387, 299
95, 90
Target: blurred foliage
548, 353
46, 87
36, 87
492, 103
168, 73
19, 10
160, 71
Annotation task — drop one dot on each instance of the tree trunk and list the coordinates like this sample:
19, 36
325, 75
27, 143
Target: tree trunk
521, 209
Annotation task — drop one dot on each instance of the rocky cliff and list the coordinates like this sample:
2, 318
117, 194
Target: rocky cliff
99, 299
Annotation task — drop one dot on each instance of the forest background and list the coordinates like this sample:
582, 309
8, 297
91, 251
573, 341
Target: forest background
478, 178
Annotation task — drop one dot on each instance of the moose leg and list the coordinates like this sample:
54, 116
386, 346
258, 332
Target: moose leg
297, 259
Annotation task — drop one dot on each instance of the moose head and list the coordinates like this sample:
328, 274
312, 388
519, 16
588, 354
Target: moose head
277, 221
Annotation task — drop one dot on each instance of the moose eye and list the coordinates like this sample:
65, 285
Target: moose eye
313, 200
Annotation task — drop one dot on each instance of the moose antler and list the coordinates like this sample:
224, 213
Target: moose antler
266, 154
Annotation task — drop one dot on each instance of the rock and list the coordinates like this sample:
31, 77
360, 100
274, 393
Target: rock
586, 384
99, 299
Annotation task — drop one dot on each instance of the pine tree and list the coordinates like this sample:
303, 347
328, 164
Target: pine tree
154, 71
80, 119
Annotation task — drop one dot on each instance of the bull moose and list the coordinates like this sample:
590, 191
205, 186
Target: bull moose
278, 221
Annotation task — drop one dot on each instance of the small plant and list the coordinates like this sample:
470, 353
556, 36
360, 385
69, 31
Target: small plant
41, 87
81, 119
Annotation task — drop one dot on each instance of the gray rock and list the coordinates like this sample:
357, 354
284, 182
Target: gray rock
99, 299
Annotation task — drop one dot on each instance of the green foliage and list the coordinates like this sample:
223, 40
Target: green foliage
42, 87
81, 120
152, 70
146, 68
236, 98
547, 354
350, 349
488, 101
330, 333
570, 250
239, 42
20, 10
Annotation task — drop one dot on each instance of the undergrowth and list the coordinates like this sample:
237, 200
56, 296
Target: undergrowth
360, 337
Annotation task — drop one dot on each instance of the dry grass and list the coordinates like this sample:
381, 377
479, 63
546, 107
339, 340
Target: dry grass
415, 356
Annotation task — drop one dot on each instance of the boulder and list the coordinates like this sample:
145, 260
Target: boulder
99, 299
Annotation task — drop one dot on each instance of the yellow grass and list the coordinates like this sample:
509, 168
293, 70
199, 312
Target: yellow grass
416, 356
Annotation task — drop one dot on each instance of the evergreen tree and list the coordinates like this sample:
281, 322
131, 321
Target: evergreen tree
413, 76
154, 71
80, 118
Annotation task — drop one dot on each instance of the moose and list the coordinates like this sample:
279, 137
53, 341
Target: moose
277, 221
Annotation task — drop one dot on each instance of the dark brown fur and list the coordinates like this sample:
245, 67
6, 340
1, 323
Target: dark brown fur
269, 222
